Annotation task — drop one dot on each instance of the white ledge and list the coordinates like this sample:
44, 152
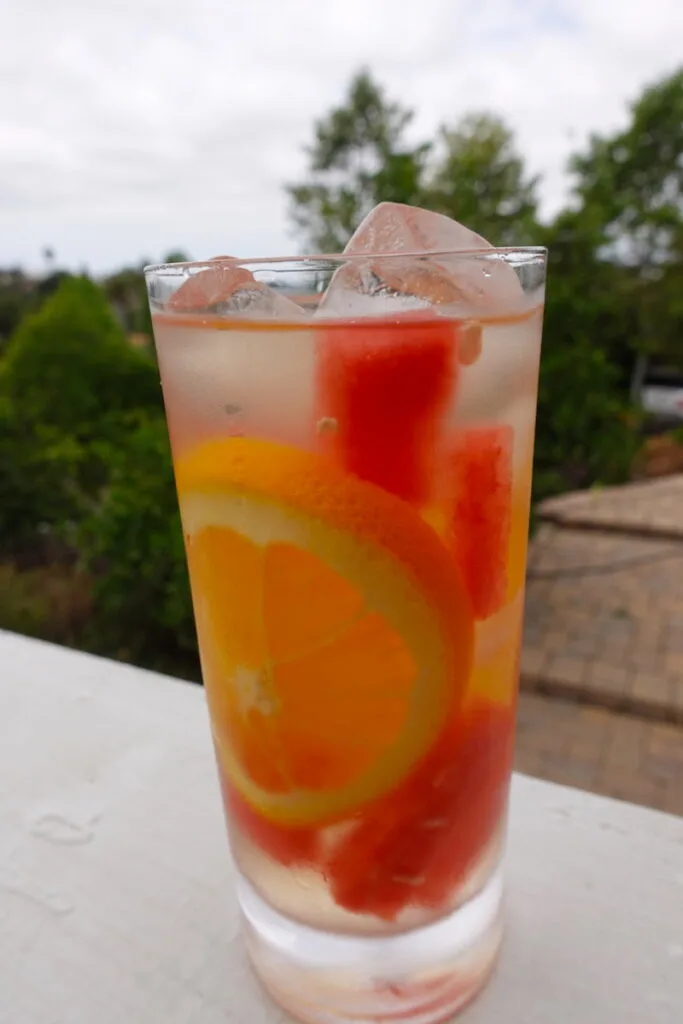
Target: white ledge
115, 891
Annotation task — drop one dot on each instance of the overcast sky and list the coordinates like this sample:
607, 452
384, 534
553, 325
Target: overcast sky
137, 126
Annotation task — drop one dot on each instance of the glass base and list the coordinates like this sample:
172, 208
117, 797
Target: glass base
417, 977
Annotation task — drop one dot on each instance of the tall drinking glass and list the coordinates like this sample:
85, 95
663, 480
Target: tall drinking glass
352, 439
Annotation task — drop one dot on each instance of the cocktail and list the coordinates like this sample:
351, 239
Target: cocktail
352, 438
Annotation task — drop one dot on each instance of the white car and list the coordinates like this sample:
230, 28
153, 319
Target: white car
662, 396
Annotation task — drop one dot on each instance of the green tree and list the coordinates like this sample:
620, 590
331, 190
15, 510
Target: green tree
41, 477
21, 294
15, 292
176, 256
479, 179
615, 295
127, 294
126, 291
46, 286
71, 390
131, 543
629, 188
631, 183
70, 368
358, 158
12, 307
586, 430
589, 296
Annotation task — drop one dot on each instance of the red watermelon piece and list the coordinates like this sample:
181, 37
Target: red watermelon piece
288, 846
479, 507
441, 995
417, 845
383, 388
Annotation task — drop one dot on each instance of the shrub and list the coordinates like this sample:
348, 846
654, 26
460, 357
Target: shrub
50, 603
69, 367
41, 475
131, 543
585, 433
71, 390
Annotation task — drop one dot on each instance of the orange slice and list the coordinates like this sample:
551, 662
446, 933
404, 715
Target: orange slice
497, 646
519, 525
336, 633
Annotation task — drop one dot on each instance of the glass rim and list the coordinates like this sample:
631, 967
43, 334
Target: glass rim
528, 251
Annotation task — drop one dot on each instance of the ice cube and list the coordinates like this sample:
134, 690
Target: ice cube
396, 228
358, 290
429, 275
228, 288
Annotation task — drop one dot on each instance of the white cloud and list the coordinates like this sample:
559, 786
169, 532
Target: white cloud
154, 124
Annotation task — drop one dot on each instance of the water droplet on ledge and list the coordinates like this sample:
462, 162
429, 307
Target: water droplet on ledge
55, 903
57, 829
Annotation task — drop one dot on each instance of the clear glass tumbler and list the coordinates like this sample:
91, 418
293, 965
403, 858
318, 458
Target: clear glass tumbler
352, 440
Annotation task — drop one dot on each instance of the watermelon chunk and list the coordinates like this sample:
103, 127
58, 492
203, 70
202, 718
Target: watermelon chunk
383, 388
478, 483
290, 847
417, 845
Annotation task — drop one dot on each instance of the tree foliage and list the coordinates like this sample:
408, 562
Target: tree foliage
42, 476
131, 543
479, 179
629, 188
631, 183
86, 477
358, 157
69, 367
